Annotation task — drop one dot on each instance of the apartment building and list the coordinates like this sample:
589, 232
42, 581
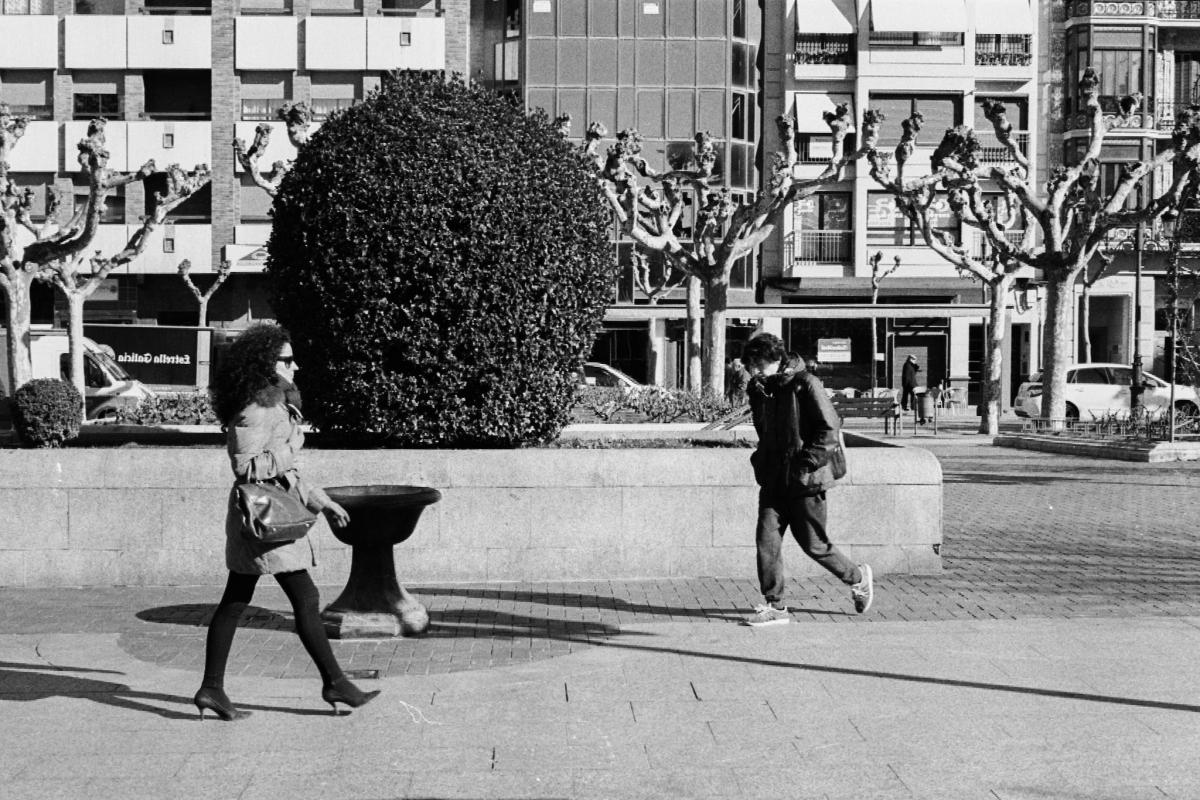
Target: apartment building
1147, 47
178, 80
669, 69
942, 58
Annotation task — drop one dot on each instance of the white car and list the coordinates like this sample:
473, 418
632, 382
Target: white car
597, 374
1094, 390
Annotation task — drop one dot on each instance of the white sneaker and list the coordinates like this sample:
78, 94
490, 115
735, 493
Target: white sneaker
768, 615
863, 592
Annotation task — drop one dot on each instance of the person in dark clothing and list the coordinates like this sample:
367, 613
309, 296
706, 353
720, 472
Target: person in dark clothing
797, 433
908, 382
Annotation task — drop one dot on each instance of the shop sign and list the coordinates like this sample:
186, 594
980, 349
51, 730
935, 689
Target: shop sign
154, 354
833, 351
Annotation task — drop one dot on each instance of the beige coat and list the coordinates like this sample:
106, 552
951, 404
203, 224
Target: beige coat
262, 443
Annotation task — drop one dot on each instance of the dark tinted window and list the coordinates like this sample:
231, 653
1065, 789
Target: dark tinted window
1090, 375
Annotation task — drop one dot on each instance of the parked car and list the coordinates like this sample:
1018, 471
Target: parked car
109, 386
597, 374
1098, 389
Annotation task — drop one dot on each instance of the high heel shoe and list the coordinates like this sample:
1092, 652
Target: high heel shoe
344, 692
216, 701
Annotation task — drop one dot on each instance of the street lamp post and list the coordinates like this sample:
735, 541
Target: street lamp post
1135, 386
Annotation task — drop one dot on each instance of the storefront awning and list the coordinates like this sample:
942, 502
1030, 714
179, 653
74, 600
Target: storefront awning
825, 16
1003, 16
811, 108
923, 16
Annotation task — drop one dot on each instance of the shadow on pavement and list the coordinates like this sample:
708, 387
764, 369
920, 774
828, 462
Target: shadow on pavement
29, 682
1060, 694
198, 615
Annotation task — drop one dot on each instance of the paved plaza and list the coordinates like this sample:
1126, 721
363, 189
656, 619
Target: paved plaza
1055, 657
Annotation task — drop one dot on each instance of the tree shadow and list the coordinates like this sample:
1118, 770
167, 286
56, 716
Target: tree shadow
21, 682
198, 615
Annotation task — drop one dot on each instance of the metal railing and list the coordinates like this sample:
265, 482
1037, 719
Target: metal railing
822, 247
981, 246
992, 152
34, 112
322, 108
1003, 50
825, 49
260, 110
1149, 427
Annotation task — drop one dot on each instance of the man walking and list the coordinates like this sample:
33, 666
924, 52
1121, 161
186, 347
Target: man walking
908, 381
797, 433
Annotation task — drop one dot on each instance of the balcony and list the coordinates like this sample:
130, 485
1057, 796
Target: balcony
266, 43
116, 141
30, 42
94, 41
169, 42
406, 43
822, 49
42, 112
279, 148
184, 143
38, 149
1166, 112
335, 43
992, 152
1003, 50
819, 247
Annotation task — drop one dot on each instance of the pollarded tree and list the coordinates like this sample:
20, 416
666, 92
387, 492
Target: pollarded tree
58, 251
202, 297
1073, 215
878, 275
297, 118
442, 261
958, 175
649, 205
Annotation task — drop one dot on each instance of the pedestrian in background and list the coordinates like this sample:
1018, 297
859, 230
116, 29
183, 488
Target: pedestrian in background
797, 433
908, 382
258, 404
736, 378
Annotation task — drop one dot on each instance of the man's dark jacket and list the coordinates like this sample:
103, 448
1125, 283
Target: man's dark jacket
908, 375
797, 433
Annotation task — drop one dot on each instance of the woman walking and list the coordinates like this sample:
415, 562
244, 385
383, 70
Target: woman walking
257, 402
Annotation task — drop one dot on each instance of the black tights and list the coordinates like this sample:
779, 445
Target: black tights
302, 593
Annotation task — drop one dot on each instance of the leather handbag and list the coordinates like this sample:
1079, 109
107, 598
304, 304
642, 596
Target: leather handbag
272, 513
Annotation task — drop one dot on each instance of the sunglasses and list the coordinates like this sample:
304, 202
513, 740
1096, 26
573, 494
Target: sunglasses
288, 360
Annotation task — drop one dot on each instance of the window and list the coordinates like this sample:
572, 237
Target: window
1089, 375
113, 212
92, 105
111, 7
28, 92
405, 38
887, 225
325, 106
168, 37
168, 141
1120, 73
168, 244
827, 211
28, 6
939, 112
739, 19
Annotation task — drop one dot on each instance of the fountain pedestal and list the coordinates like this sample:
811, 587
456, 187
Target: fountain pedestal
373, 602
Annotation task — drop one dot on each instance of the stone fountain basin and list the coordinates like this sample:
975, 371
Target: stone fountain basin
380, 514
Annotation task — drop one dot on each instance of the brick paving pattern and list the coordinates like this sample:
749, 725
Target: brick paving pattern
1027, 535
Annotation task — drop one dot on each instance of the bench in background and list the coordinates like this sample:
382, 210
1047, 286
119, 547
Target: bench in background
885, 408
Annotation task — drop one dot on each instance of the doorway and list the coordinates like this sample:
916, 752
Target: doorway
930, 352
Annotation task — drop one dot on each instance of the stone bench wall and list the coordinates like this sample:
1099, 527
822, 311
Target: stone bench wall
153, 516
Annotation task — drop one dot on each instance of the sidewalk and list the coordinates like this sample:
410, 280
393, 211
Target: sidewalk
1002, 710
1053, 659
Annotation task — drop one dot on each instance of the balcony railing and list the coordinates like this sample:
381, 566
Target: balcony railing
1166, 112
1003, 50
1178, 9
42, 112
981, 246
992, 152
821, 247
260, 110
825, 49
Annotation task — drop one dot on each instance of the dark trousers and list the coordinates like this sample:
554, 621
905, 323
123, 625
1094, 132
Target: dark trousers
239, 591
908, 394
806, 516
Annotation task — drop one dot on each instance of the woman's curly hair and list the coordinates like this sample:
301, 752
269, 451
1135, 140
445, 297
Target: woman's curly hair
247, 369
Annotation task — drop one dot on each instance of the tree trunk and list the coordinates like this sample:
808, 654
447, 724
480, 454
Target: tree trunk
993, 357
1086, 322
1060, 295
692, 336
20, 363
75, 345
716, 301
204, 313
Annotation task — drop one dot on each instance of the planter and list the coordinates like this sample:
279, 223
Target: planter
153, 516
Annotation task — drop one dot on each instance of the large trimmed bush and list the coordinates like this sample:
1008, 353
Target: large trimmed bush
47, 412
442, 260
